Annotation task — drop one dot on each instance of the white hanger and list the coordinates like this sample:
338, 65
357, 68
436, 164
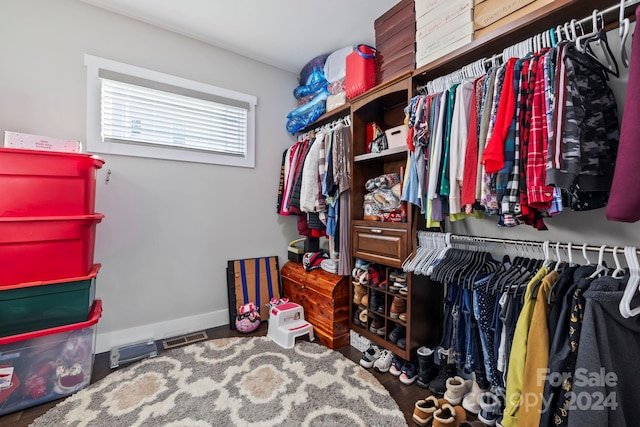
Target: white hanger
547, 255
559, 37
600, 267
574, 29
567, 31
570, 253
632, 285
618, 273
623, 31
595, 29
584, 254
558, 259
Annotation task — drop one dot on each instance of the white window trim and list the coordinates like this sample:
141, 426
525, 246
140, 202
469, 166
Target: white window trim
95, 144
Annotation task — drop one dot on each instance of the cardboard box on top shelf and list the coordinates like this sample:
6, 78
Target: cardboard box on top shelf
395, 41
441, 42
386, 72
456, 18
395, 48
425, 6
511, 17
450, 47
395, 20
490, 11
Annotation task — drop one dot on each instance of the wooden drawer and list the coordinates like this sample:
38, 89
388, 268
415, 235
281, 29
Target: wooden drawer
324, 297
382, 245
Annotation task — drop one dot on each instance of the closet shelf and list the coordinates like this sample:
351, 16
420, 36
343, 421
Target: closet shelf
390, 154
381, 224
336, 113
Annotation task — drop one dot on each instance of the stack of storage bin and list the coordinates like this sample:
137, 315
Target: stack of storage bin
442, 26
48, 311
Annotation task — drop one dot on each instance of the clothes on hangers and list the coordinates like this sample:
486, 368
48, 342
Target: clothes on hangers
532, 333
315, 172
609, 346
544, 135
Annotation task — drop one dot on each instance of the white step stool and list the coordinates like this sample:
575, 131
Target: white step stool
286, 322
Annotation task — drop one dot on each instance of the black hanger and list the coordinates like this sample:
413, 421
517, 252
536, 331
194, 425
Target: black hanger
474, 269
501, 268
440, 268
507, 278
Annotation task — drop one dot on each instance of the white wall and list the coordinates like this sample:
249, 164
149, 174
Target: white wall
170, 227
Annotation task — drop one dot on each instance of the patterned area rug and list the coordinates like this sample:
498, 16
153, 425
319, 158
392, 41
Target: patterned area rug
233, 382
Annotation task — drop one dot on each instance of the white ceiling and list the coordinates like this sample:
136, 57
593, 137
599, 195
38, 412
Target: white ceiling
283, 33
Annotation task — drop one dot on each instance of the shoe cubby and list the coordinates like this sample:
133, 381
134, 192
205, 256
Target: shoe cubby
387, 242
419, 306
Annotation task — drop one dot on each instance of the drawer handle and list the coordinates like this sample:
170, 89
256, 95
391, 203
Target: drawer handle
302, 287
376, 230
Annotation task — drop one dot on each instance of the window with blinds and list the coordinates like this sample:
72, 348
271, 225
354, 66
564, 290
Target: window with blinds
149, 114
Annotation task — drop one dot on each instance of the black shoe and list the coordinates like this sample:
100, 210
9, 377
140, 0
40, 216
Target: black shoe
397, 332
356, 317
481, 379
376, 323
374, 300
402, 343
426, 367
439, 384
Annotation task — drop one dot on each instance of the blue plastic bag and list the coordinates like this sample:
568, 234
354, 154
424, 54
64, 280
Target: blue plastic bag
314, 84
304, 115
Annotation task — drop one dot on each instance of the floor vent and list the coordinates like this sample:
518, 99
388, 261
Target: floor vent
184, 339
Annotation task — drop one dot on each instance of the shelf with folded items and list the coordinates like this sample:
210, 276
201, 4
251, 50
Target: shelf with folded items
390, 154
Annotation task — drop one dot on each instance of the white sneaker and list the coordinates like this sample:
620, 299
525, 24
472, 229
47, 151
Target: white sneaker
370, 355
384, 361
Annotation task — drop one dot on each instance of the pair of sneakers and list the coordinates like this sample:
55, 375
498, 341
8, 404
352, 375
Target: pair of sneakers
405, 370
379, 359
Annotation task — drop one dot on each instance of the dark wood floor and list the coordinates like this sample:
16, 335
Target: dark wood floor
405, 395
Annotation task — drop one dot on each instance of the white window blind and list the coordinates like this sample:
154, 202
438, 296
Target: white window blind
133, 111
142, 115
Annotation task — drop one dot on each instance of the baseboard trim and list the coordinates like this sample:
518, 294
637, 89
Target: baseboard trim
170, 328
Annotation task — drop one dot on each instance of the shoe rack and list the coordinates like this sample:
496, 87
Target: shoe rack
387, 244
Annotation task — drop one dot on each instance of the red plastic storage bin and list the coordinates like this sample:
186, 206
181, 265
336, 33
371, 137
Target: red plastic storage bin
48, 364
46, 248
47, 183
361, 71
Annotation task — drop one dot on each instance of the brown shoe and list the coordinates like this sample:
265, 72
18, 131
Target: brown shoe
424, 409
449, 416
358, 292
398, 306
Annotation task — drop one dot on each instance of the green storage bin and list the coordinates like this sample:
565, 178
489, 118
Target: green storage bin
33, 306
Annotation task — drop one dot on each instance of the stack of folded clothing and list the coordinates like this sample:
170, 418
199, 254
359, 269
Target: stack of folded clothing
382, 203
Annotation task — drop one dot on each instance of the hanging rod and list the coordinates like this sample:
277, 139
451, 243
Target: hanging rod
611, 9
574, 246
